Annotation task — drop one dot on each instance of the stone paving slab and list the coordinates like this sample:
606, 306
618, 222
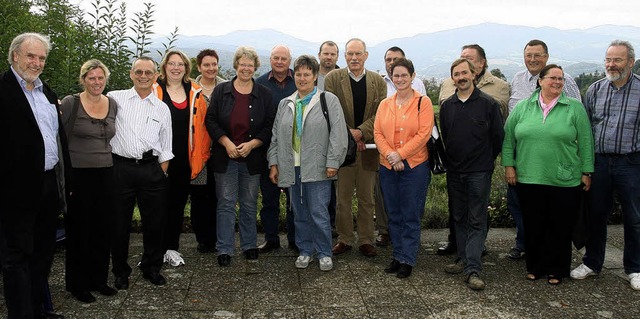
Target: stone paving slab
357, 287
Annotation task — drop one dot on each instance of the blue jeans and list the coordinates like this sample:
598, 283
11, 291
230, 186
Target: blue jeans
404, 194
270, 212
469, 194
236, 185
615, 174
310, 202
513, 206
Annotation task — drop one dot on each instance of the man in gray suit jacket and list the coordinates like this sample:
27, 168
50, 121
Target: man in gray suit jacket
360, 92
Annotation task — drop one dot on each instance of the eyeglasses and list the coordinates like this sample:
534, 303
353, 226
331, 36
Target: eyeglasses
140, 72
554, 78
535, 56
247, 66
175, 64
402, 76
614, 60
357, 53
33, 57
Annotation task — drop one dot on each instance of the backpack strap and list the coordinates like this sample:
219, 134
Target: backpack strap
72, 119
325, 110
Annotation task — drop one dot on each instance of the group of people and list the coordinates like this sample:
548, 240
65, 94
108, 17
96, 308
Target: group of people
171, 139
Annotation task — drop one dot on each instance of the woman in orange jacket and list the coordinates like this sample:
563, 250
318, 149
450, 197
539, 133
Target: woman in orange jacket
191, 147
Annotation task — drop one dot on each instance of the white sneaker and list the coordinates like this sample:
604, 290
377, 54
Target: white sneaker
582, 272
174, 258
634, 278
303, 261
326, 263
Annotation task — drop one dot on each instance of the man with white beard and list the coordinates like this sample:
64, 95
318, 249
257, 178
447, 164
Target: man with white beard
613, 105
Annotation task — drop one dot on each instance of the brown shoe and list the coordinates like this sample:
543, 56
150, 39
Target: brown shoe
340, 248
382, 240
368, 250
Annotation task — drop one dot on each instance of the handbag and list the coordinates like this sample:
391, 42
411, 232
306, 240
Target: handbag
436, 148
352, 145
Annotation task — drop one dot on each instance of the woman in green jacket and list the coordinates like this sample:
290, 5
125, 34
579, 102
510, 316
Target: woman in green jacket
548, 154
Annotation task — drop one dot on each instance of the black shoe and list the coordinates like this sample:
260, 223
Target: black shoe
51, 315
251, 254
224, 260
294, 247
393, 267
404, 271
121, 283
447, 249
206, 248
154, 278
105, 290
268, 246
515, 253
84, 296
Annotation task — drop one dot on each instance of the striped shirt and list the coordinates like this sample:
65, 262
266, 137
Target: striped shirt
615, 115
523, 84
142, 124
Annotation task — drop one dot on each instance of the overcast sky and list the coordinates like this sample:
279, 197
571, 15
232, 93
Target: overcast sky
375, 21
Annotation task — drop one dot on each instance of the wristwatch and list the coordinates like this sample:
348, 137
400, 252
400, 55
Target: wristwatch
586, 174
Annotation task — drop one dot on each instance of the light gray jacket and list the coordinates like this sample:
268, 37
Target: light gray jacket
319, 149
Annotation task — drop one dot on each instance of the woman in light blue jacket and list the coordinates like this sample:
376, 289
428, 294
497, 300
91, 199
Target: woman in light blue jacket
304, 155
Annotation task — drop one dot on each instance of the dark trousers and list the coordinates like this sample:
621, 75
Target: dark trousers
146, 185
469, 199
549, 213
332, 205
203, 210
178, 194
270, 212
27, 244
88, 227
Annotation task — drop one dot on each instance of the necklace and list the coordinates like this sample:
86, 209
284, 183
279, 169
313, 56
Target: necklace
400, 102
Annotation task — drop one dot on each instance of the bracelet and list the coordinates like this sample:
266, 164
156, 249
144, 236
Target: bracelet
586, 174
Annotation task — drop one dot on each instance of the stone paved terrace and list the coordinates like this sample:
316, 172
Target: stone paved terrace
357, 288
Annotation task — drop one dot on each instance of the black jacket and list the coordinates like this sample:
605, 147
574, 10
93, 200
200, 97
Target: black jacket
472, 132
261, 114
22, 145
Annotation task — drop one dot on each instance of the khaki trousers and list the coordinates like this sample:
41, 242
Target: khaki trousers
363, 181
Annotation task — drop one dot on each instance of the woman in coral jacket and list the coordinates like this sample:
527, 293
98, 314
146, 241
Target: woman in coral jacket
401, 130
191, 146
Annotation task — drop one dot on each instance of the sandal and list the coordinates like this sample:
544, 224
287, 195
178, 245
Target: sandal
553, 280
531, 277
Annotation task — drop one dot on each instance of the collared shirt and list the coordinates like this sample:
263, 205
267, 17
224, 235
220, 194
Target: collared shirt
46, 116
524, 83
416, 84
615, 115
546, 107
142, 124
359, 77
281, 84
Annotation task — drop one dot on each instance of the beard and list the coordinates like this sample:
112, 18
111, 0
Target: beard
618, 74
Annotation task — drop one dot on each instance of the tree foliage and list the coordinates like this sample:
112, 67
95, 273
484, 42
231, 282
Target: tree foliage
585, 79
432, 86
77, 36
497, 73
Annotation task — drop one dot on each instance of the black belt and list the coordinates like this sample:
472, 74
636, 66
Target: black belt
616, 155
144, 160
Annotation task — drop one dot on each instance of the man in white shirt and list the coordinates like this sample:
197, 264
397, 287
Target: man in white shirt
141, 153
